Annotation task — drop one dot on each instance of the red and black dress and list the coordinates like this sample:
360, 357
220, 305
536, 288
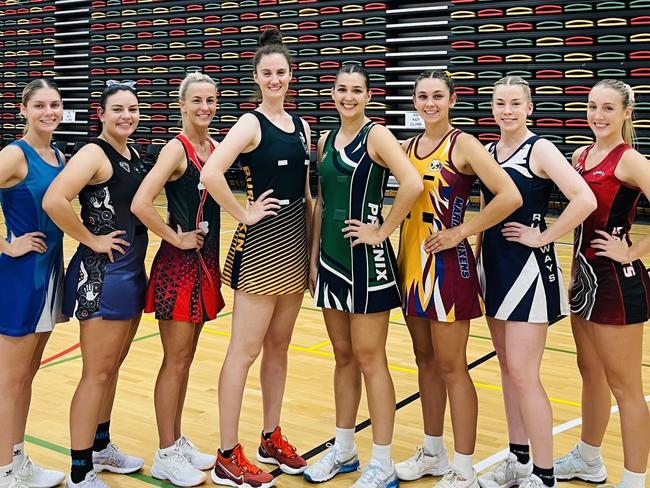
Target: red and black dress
185, 284
603, 290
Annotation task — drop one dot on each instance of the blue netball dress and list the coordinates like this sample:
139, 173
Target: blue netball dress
31, 285
520, 283
95, 287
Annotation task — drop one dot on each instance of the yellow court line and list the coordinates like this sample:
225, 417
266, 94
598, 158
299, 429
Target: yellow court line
314, 351
319, 345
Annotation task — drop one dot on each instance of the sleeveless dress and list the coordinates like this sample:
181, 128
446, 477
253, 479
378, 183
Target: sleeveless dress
270, 257
31, 285
520, 283
185, 284
360, 279
440, 286
95, 287
603, 290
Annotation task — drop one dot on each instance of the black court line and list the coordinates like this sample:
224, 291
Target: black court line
366, 423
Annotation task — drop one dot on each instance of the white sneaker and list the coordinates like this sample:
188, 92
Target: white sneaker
572, 467
113, 460
90, 481
453, 479
14, 482
507, 473
176, 468
534, 481
421, 464
33, 476
198, 459
374, 476
332, 463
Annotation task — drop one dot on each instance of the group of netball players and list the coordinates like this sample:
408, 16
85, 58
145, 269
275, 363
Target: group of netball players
340, 251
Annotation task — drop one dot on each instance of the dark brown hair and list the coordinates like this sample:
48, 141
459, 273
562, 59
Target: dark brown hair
436, 75
270, 42
354, 68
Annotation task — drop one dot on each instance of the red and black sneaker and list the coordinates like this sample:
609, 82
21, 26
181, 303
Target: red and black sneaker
277, 450
239, 472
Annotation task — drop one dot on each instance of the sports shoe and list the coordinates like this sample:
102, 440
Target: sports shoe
16, 483
421, 464
534, 481
278, 450
198, 459
573, 467
90, 481
113, 460
374, 476
332, 463
453, 479
176, 468
507, 473
239, 472
33, 476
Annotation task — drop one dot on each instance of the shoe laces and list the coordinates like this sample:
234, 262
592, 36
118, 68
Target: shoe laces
185, 444
501, 471
532, 482
26, 470
281, 444
17, 482
450, 477
242, 462
370, 473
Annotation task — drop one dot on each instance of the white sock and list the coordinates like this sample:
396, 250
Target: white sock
633, 480
167, 451
6, 474
433, 444
345, 440
588, 452
19, 454
464, 465
381, 456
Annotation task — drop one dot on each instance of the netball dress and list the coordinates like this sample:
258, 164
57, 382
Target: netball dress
270, 257
363, 278
95, 287
31, 285
603, 290
521, 283
440, 286
185, 284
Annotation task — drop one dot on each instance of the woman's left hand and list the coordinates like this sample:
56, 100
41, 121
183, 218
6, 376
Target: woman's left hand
445, 239
609, 247
361, 233
523, 234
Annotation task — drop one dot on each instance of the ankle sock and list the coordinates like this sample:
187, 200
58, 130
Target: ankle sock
227, 453
464, 465
633, 480
381, 456
345, 439
102, 437
522, 451
19, 454
433, 444
82, 464
588, 452
545, 474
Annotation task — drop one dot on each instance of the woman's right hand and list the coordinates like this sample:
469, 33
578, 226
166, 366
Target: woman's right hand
32, 241
189, 240
108, 243
264, 206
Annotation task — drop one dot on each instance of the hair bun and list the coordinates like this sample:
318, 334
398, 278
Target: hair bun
270, 37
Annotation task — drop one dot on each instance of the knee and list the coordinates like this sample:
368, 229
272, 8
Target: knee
343, 355
450, 369
590, 370
244, 355
15, 382
370, 360
424, 360
276, 346
178, 365
625, 389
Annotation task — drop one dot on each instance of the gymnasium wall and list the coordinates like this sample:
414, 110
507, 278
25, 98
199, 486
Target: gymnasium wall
562, 47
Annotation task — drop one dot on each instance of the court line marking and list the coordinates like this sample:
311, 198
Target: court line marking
60, 354
558, 429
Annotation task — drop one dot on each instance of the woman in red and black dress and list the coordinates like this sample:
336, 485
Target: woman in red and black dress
610, 292
184, 290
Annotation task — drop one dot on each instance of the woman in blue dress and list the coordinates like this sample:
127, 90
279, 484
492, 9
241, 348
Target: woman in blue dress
106, 280
31, 276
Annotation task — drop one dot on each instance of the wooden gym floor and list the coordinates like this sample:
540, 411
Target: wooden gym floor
308, 411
